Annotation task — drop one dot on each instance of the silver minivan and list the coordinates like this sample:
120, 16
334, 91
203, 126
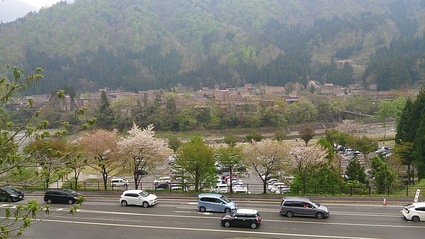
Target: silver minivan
119, 182
301, 206
215, 202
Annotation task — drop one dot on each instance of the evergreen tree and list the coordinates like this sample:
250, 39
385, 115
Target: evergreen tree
105, 115
355, 171
404, 124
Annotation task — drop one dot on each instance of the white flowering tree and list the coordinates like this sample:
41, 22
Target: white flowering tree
266, 158
141, 152
305, 159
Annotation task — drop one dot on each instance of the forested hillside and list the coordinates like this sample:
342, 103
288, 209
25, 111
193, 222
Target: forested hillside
138, 45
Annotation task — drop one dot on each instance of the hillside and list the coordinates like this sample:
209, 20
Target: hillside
140, 45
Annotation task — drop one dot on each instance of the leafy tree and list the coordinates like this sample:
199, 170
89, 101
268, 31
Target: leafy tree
230, 139
76, 161
174, 143
266, 158
306, 134
100, 147
382, 174
254, 136
336, 137
197, 159
389, 109
49, 155
306, 159
141, 152
12, 161
279, 135
230, 157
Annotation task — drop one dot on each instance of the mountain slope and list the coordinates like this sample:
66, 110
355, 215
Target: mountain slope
140, 44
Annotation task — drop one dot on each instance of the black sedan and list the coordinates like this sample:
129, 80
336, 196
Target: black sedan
10, 194
242, 218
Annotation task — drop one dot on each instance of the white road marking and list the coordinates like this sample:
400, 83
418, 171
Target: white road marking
212, 230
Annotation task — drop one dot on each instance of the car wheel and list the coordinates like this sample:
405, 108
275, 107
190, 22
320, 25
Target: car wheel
320, 215
49, 201
70, 201
10, 199
289, 214
415, 219
226, 224
145, 204
124, 203
113, 185
227, 210
253, 225
202, 209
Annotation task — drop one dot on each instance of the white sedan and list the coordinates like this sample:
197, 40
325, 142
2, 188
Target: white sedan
414, 212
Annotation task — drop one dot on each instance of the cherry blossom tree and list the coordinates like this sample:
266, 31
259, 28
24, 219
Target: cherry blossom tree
141, 152
100, 147
266, 158
305, 159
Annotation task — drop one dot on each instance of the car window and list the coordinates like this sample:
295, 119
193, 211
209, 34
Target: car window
297, 204
144, 194
422, 209
225, 199
315, 204
209, 199
288, 203
10, 190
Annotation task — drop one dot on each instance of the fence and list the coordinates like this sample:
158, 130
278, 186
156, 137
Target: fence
316, 190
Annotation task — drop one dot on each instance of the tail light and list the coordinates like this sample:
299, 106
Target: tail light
258, 220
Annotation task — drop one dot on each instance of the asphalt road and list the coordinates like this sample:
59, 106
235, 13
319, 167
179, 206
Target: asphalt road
179, 218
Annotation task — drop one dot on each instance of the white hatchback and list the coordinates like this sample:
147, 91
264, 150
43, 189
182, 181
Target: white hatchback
138, 197
414, 212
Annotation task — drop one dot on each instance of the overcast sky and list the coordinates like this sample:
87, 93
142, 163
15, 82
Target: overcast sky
40, 3
10, 10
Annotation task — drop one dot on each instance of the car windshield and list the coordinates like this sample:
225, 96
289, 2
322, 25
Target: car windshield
143, 194
10, 190
225, 199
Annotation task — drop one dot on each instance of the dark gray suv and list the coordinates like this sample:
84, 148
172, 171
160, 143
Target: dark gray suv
301, 206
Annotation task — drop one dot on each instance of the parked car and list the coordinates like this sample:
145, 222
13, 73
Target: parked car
414, 212
279, 188
215, 202
242, 218
119, 182
138, 197
61, 196
10, 194
161, 185
221, 188
301, 206
239, 188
